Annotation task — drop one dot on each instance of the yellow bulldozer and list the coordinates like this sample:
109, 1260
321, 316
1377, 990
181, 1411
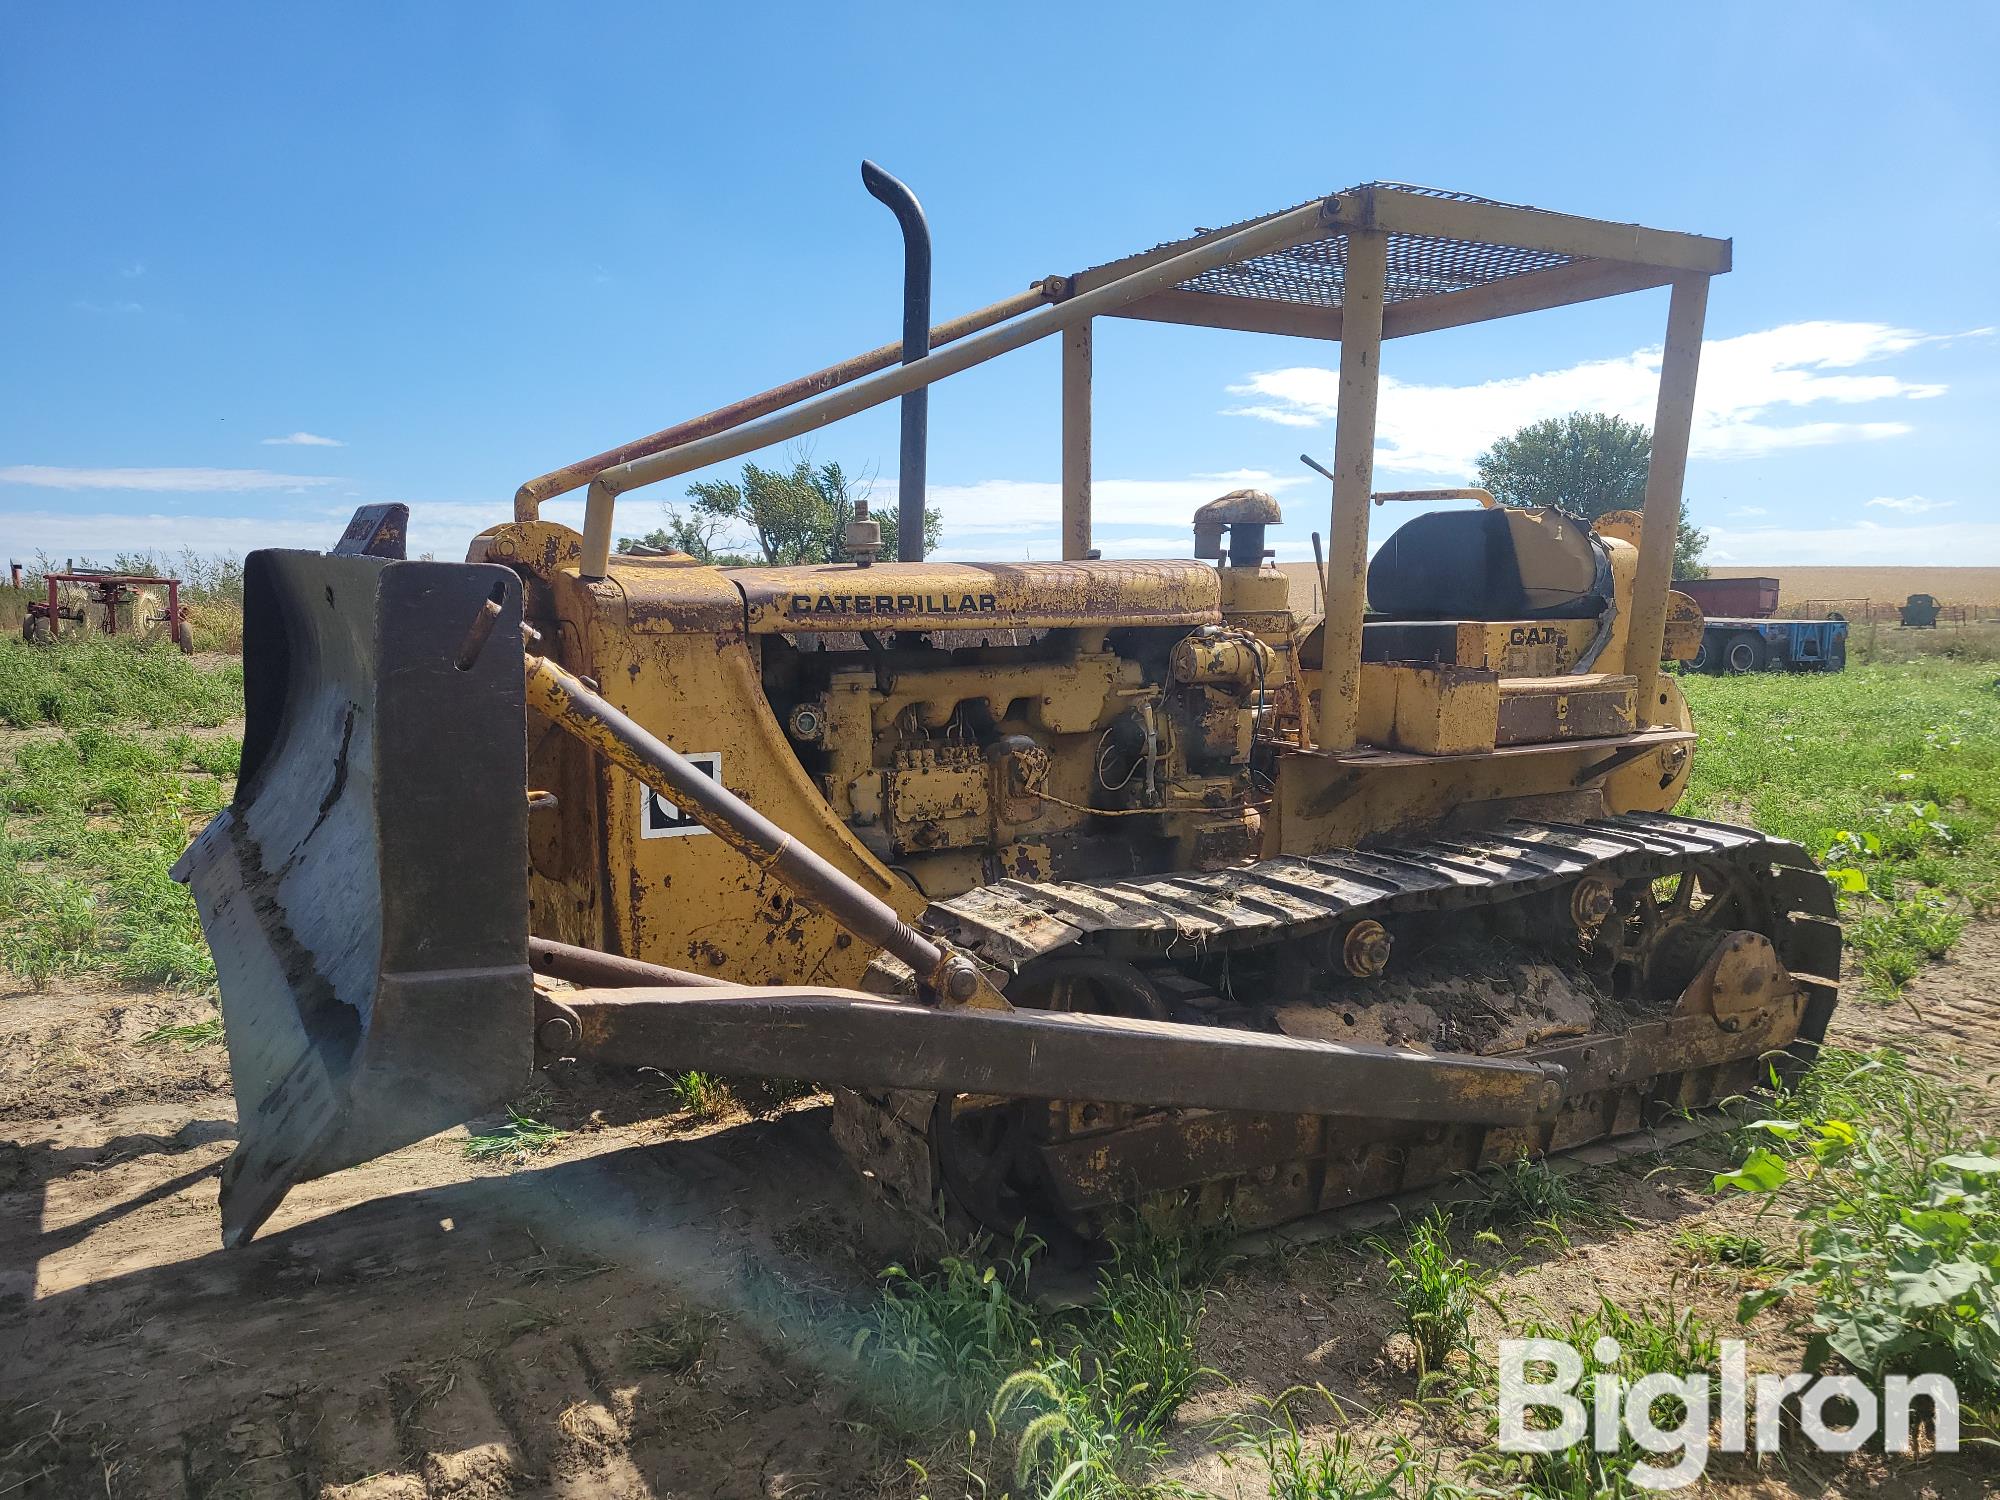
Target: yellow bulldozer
1088, 886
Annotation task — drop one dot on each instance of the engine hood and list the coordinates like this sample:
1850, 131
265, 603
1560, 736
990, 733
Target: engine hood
958, 596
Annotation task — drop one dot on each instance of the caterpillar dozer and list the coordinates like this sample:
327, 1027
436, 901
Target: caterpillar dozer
1087, 885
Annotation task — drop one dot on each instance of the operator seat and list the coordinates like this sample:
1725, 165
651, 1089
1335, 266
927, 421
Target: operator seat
1498, 564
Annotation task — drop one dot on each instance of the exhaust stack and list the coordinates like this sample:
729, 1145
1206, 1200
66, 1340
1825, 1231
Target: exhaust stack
916, 408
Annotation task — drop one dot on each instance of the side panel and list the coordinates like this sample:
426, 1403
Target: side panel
666, 644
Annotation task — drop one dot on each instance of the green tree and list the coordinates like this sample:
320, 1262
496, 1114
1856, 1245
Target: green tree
1585, 464
698, 533
793, 515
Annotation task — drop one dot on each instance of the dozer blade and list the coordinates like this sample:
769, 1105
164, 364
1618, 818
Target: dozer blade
365, 893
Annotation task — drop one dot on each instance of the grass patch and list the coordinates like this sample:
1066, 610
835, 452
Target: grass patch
1346, 1468
90, 824
95, 680
1526, 1191
1078, 1403
1727, 1248
515, 1141
938, 1343
1650, 1340
1435, 1290
1888, 775
676, 1345
1884, 641
185, 1038
702, 1095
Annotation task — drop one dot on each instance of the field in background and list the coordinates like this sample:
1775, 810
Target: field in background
1892, 585
1888, 774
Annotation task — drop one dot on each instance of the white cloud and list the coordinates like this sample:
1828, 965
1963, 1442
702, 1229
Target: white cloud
1936, 545
162, 481
1910, 505
1746, 383
439, 528
70, 534
303, 440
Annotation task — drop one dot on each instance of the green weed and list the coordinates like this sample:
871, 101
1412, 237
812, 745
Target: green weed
1082, 1401
187, 1038
1435, 1290
702, 1095
1899, 1212
515, 1141
1722, 1247
1878, 1086
1527, 1191
1081, 1432
1343, 1468
675, 1345
938, 1344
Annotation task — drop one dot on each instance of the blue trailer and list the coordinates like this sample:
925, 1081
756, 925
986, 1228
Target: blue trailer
1745, 645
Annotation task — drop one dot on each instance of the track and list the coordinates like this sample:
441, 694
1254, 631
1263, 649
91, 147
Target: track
1568, 943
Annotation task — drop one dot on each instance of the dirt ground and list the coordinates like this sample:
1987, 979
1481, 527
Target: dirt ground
623, 1316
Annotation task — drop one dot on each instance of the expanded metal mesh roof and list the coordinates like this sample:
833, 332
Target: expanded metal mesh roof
1314, 274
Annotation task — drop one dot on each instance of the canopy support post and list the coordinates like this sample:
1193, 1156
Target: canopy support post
1666, 473
1076, 370
1353, 482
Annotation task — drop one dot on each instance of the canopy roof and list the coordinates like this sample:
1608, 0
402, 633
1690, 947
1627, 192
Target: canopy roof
1453, 258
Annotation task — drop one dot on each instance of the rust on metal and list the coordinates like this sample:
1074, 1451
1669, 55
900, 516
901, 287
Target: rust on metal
567, 702
1364, 952
587, 966
1286, 918
529, 497
1590, 902
841, 597
845, 1038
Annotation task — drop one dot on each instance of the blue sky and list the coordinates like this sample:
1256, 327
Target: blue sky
264, 263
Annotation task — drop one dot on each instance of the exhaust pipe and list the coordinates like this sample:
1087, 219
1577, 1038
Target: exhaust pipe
916, 408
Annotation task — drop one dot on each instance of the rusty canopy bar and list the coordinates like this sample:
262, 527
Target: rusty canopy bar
1394, 211
847, 1039
529, 497
1666, 472
1284, 229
